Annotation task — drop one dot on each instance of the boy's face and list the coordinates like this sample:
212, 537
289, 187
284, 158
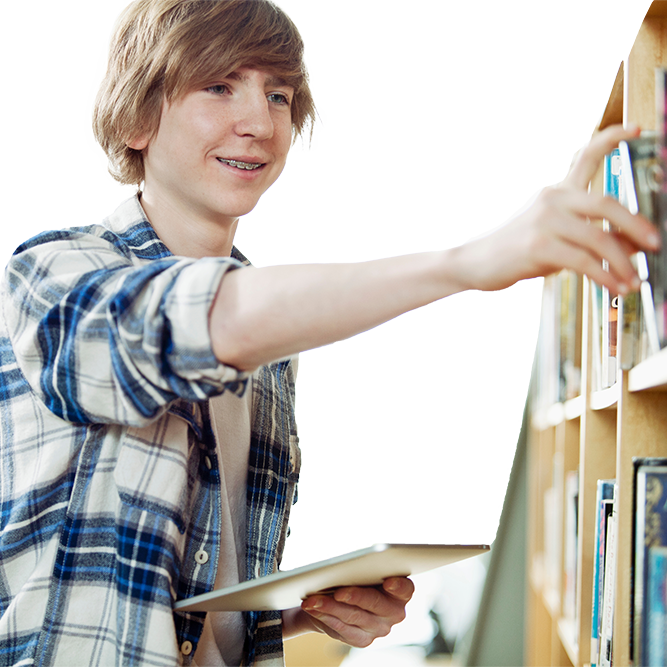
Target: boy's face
217, 150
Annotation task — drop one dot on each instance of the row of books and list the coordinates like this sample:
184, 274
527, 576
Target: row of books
648, 633
642, 315
559, 352
634, 174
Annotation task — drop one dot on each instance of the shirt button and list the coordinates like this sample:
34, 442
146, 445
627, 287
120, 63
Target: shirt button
201, 557
207, 461
186, 648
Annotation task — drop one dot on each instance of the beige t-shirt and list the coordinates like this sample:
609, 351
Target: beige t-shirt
221, 643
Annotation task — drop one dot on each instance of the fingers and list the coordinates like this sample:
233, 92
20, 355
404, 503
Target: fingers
358, 615
562, 239
588, 160
400, 588
636, 228
555, 232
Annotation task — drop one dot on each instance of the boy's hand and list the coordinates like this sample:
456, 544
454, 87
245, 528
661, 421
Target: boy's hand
553, 233
357, 615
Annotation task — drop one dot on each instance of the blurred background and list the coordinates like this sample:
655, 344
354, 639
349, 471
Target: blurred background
437, 121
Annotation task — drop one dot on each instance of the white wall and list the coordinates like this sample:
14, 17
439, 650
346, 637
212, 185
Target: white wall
437, 120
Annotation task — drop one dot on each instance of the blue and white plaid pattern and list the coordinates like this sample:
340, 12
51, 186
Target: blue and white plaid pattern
105, 492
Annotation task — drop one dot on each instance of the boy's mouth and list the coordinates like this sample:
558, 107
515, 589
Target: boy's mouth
248, 166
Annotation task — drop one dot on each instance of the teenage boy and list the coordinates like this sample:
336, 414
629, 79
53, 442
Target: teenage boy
149, 450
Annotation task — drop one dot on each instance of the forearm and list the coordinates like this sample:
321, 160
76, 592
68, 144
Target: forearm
260, 315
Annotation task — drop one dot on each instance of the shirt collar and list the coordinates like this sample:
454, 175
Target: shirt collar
130, 223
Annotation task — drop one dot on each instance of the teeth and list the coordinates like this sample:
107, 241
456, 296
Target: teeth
241, 165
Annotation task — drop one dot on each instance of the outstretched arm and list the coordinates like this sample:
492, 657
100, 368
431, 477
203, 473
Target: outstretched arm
260, 315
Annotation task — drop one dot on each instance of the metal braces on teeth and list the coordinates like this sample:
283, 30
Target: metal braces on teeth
241, 165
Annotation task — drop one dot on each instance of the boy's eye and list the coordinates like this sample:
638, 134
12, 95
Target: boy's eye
279, 98
217, 89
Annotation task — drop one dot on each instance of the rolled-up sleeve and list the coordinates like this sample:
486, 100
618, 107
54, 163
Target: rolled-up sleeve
103, 336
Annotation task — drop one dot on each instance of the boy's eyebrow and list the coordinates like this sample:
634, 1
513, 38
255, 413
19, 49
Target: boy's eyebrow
271, 80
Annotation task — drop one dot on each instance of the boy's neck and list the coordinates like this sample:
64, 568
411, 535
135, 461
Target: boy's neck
185, 233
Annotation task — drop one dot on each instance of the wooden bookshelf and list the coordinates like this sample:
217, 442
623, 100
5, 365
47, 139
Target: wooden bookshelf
597, 433
613, 113
651, 8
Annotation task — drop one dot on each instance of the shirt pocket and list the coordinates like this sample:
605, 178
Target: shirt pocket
151, 471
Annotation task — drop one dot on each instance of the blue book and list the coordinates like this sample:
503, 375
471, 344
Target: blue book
650, 531
612, 174
656, 607
608, 303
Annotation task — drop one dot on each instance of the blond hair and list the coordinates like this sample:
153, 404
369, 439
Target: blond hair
163, 49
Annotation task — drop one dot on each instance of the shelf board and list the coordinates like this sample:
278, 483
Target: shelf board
605, 399
574, 408
568, 638
610, 105
651, 8
547, 417
650, 375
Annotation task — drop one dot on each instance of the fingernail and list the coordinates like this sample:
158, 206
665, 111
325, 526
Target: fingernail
315, 604
654, 240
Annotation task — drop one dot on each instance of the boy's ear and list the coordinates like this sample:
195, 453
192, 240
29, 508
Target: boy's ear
139, 143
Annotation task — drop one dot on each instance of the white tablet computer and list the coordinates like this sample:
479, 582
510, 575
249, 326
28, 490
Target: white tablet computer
366, 567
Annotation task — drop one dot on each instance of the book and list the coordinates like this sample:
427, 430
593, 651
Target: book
650, 530
596, 336
604, 506
553, 529
608, 306
641, 185
571, 541
606, 647
660, 259
569, 331
656, 605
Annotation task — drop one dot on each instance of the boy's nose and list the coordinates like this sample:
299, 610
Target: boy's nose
254, 118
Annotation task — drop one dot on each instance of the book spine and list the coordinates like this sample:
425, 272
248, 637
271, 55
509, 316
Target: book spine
659, 263
603, 504
609, 301
606, 631
656, 605
650, 531
641, 185
571, 540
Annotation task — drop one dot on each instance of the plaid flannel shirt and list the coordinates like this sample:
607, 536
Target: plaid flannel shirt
109, 479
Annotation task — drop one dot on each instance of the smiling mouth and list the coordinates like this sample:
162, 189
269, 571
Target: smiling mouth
248, 166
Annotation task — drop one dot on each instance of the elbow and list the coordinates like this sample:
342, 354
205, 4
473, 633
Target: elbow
233, 350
